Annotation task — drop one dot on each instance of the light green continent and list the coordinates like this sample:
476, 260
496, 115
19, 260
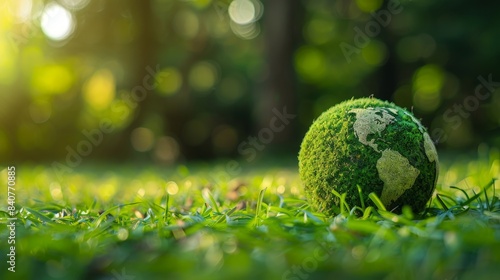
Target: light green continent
370, 121
397, 174
430, 149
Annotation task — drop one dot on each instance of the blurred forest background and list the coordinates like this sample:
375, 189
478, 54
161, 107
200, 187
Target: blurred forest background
206, 74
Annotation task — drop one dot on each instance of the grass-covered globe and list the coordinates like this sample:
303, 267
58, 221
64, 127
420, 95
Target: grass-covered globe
375, 145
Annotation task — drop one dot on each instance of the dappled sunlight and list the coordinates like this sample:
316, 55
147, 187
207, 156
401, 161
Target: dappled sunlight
167, 150
203, 76
24, 10
7, 63
242, 11
311, 63
319, 30
369, 6
52, 79
244, 14
172, 188
57, 22
158, 139
427, 84
99, 90
169, 81
75, 4
203, 65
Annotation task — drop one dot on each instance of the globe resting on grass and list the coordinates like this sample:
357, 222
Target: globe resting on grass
371, 144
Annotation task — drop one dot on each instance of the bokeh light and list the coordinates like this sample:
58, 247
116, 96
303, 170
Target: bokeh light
244, 15
203, 76
57, 23
169, 81
319, 30
242, 11
186, 24
167, 150
122, 234
200, 4
24, 9
427, 83
172, 188
52, 79
369, 6
55, 191
99, 90
70, 64
121, 112
142, 139
310, 63
246, 31
75, 5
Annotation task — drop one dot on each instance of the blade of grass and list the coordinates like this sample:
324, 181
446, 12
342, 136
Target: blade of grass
360, 192
39, 215
225, 216
99, 230
367, 212
259, 204
441, 202
475, 196
101, 217
209, 198
373, 196
165, 213
343, 204
487, 200
481, 206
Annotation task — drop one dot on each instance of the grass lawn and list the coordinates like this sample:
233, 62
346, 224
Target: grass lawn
197, 222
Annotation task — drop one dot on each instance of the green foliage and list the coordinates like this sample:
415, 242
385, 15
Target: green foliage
151, 223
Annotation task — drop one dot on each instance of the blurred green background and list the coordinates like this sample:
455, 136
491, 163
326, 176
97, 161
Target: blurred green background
174, 80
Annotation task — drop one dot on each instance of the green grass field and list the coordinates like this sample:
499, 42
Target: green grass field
196, 222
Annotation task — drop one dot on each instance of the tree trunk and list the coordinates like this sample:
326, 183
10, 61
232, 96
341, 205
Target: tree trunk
282, 34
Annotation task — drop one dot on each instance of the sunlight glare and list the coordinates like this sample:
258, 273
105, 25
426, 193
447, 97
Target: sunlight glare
242, 11
75, 4
57, 22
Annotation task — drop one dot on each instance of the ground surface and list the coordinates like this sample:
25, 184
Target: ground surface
199, 222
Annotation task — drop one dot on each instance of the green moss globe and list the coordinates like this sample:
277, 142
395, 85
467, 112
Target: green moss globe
375, 145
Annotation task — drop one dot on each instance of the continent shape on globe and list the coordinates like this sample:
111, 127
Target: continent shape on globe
393, 168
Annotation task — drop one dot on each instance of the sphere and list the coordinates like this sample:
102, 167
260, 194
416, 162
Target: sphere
373, 144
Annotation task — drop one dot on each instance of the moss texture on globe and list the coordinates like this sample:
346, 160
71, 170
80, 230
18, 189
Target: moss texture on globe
373, 144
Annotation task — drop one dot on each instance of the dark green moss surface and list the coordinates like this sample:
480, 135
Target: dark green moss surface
332, 157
